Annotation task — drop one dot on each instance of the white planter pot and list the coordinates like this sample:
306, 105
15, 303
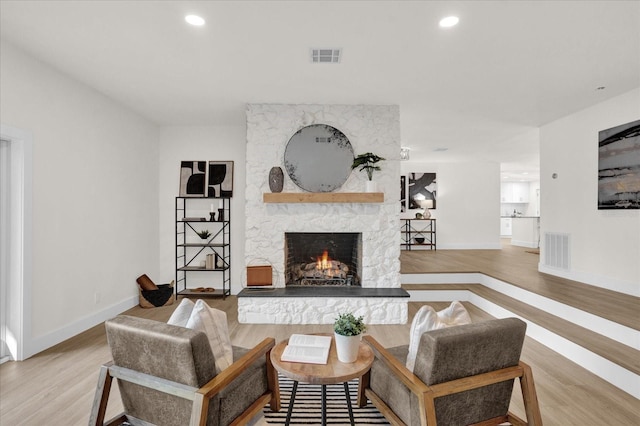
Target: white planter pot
372, 186
347, 347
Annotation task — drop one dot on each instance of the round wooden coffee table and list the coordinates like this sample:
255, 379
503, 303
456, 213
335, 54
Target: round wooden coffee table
330, 373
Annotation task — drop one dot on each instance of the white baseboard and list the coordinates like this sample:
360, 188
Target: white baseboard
41, 343
474, 246
530, 244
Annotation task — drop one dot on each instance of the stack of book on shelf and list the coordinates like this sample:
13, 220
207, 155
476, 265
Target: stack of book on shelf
210, 261
307, 349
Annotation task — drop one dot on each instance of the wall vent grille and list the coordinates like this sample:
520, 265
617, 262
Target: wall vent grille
326, 56
556, 250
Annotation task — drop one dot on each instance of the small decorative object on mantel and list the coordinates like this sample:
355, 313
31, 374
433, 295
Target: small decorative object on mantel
348, 332
276, 179
367, 162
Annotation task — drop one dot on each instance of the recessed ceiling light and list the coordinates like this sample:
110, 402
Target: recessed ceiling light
449, 21
194, 20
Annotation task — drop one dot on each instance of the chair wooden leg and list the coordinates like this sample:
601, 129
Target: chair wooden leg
273, 384
101, 397
531, 406
363, 384
199, 410
427, 409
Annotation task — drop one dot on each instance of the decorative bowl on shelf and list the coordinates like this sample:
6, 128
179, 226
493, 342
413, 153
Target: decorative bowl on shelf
419, 240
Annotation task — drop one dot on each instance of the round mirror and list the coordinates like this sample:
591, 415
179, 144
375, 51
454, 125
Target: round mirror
318, 158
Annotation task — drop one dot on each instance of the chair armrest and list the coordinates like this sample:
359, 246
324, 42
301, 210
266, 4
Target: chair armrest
410, 380
229, 374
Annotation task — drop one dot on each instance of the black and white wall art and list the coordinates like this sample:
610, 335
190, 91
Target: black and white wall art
421, 186
619, 167
403, 194
220, 179
192, 178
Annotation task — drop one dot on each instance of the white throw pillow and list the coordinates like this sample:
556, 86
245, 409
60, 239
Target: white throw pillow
213, 323
427, 319
182, 313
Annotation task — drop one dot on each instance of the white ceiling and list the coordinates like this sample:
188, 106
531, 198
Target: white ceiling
480, 89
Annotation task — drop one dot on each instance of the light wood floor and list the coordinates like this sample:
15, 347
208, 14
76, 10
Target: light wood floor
56, 386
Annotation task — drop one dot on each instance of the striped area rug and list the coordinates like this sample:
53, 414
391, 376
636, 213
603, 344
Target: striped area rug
307, 408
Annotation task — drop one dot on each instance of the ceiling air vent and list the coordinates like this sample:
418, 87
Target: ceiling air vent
325, 56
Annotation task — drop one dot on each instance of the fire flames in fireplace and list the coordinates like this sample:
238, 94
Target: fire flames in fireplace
323, 271
316, 259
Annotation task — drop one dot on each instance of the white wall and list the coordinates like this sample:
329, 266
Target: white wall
223, 143
468, 203
604, 244
533, 208
94, 197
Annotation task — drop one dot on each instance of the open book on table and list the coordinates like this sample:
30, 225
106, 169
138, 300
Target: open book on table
307, 348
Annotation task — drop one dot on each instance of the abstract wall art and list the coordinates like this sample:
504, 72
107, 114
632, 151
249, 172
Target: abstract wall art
220, 179
421, 186
619, 167
192, 178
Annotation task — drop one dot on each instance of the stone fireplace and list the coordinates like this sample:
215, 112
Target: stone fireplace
322, 258
369, 129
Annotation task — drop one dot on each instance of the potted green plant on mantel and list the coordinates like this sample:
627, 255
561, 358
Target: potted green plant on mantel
348, 332
368, 163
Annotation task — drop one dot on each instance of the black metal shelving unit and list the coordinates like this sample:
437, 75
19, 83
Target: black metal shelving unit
190, 254
418, 228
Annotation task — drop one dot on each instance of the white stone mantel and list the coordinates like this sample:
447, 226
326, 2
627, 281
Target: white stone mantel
370, 128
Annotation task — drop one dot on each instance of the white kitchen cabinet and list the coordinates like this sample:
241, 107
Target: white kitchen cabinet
505, 226
514, 192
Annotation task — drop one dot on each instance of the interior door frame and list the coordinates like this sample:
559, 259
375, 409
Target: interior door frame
20, 236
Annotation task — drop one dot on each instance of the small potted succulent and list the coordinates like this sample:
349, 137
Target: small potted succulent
368, 163
348, 331
204, 234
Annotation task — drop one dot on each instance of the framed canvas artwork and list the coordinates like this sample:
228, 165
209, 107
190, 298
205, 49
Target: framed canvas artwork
192, 178
220, 179
619, 167
403, 194
421, 186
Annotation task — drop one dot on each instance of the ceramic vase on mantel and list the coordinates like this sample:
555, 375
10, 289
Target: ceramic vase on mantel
372, 186
347, 347
276, 179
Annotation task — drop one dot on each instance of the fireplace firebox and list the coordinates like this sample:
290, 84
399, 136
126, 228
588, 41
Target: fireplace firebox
323, 259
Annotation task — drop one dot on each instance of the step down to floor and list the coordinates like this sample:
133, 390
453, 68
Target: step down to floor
622, 355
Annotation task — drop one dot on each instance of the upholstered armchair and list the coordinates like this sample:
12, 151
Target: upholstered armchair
463, 375
166, 376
